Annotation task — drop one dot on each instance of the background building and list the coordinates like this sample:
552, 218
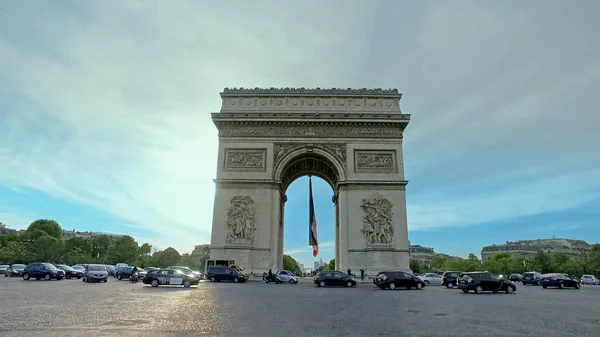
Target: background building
527, 248
422, 254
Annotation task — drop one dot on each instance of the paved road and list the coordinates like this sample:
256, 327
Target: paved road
73, 308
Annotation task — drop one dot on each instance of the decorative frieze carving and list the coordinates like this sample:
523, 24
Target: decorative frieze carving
324, 130
241, 220
245, 159
336, 150
378, 221
315, 91
375, 160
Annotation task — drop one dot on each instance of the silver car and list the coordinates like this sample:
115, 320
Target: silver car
95, 273
432, 279
589, 279
287, 276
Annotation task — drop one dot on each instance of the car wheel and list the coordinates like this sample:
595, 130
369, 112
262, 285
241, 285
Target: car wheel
78, 277
105, 280
419, 286
212, 279
119, 277
510, 290
291, 281
322, 284
561, 285
68, 276
26, 276
426, 282
478, 290
236, 280
349, 284
465, 291
187, 284
392, 286
544, 287
577, 286
450, 285
47, 277
154, 283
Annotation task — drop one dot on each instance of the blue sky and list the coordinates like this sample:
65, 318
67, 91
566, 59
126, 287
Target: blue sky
105, 111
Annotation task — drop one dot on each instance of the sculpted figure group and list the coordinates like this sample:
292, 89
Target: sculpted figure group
378, 220
241, 220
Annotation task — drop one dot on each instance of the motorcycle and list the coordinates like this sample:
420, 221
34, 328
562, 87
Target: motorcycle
272, 278
133, 278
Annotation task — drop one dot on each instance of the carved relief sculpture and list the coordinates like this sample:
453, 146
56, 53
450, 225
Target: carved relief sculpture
378, 221
245, 159
375, 160
337, 150
241, 220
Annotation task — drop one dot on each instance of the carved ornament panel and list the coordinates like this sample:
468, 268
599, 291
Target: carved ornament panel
245, 160
336, 150
378, 221
375, 161
241, 220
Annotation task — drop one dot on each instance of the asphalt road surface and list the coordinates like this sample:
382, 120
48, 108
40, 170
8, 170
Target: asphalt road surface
75, 308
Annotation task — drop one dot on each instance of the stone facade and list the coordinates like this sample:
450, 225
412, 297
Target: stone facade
528, 248
350, 138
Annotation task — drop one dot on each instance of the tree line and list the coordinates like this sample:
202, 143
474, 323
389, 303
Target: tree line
505, 264
43, 241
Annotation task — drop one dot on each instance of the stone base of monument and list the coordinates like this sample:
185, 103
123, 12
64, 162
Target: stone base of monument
376, 258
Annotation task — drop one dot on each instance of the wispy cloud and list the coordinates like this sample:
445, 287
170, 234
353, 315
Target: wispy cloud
323, 247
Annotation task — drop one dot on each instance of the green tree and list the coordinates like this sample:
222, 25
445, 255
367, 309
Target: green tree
48, 227
76, 255
14, 252
46, 248
101, 247
472, 263
167, 257
290, 264
124, 250
81, 244
593, 260
541, 262
145, 259
416, 266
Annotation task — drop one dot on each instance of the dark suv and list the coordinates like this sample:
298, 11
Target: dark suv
222, 273
532, 277
124, 273
39, 270
449, 278
480, 281
396, 278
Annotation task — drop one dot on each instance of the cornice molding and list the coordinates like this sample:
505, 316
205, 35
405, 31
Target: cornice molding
310, 91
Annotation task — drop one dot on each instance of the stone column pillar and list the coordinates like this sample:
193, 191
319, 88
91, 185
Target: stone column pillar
344, 229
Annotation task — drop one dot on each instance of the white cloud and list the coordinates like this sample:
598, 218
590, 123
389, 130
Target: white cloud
109, 105
323, 247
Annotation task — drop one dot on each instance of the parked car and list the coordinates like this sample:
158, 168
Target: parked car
286, 276
110, 270
187, 270
39, 270
95, 273
398, 279
70, 272
222, 273
333, 278
560, 281
515, 277
481, 281
533, 278
3, 268
169, 277
449, 278
14, 270
124, 273
431, 279
589, 279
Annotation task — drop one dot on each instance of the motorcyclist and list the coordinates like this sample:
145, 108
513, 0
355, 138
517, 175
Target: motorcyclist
270, 275
134, 272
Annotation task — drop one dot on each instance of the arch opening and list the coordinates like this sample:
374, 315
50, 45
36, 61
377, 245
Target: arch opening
295, 209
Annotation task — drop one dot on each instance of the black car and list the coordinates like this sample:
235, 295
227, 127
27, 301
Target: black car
481, 281
222, 273
169, 277
110, 269
40, 270
560, 280
124, 273
532, 277
449, 278
333, 278
515, 277
70, 272
397, 279
14, 270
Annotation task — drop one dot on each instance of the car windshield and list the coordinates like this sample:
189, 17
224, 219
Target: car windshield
551, 275
19, 266
97, 268
65, 267
588, 276
48, 266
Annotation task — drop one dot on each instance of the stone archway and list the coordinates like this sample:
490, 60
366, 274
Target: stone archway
350, 138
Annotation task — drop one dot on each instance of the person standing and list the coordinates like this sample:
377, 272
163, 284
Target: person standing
349, 272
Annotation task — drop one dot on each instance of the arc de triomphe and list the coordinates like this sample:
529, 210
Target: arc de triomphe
350, 138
